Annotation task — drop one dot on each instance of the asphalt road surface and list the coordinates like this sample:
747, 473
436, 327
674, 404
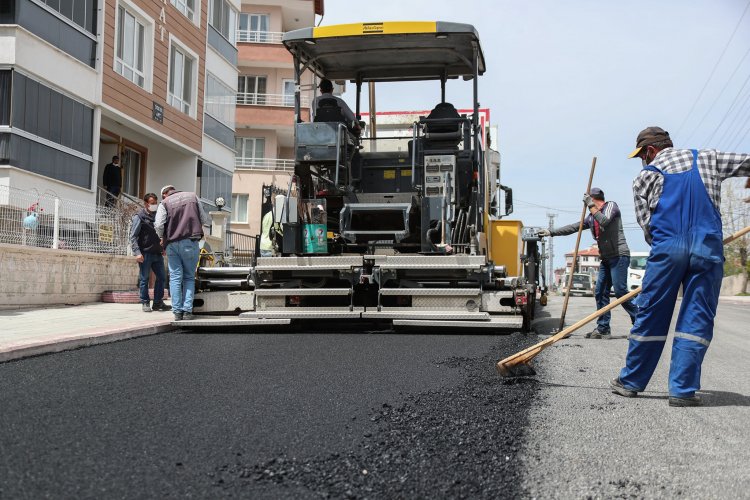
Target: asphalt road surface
585, 442
265, 416
369, 415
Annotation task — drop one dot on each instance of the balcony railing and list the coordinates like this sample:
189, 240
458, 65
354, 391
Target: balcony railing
264, 164
259, 36
283, 100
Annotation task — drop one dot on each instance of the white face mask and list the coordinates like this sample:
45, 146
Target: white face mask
152, 208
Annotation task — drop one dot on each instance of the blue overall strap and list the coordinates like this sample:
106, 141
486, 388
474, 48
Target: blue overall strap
652, 168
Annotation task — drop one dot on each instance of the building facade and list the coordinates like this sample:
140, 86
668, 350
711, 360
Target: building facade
264, 142
588, 262
151, 81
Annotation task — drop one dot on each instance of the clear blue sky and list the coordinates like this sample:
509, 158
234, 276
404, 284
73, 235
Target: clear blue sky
569, 80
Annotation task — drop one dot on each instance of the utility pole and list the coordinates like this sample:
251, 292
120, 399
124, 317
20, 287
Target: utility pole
551, 275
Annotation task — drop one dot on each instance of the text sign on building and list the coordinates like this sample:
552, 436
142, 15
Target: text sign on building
158, 112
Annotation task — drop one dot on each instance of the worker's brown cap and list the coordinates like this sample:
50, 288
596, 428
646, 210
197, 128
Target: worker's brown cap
648, 136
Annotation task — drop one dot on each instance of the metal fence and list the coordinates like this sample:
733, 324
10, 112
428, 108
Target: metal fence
240, 249
47, 221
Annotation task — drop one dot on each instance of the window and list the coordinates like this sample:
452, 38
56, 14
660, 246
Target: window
5, 96
182, 79
255, 28
223, 18
46, 113
187, 7
288, 93
81, 12
130, 47
250, 148
239, 208
219, 101
214, 182
251, 89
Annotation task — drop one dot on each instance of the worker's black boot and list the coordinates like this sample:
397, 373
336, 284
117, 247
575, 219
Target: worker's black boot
684, 402
620, 389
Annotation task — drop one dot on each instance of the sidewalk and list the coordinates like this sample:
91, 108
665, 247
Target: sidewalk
735, 299
32, 332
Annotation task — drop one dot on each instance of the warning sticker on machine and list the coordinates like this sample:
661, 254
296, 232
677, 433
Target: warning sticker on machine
389, 174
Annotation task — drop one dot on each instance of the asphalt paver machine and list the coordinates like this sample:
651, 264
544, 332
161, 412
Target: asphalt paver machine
405, 230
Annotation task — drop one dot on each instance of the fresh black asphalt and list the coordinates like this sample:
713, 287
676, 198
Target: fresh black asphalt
342, 415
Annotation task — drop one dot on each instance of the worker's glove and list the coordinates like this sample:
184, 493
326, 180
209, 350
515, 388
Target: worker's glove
543, 232
588, 200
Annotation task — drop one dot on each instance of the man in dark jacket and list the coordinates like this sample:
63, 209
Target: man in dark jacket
112, 180
179, 222
149, 254
605, 224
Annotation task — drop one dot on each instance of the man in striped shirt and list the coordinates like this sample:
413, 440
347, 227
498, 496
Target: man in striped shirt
605, 223
677, 199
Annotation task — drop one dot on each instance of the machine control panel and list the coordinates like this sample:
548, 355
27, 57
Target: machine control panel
435, 168
529, 233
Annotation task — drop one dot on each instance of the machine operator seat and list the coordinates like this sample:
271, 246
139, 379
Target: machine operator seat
329, 111
447, 131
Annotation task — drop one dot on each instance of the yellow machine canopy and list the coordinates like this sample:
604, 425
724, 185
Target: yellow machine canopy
389, 51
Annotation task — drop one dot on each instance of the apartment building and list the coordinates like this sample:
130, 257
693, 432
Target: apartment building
264, 141
588, 261
149, 80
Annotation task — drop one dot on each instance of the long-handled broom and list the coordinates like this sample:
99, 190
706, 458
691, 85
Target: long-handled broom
518, 364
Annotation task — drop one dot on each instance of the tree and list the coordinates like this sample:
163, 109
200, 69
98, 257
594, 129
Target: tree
735, 213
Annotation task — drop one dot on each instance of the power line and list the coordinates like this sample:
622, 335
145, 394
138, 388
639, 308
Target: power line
721, 93
730, 128
713, 71
731, 107
747, 120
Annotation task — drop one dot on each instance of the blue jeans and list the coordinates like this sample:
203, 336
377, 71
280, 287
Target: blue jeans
151, 262
613, 273
182, 259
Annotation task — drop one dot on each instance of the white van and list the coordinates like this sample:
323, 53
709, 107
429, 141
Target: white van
636, 269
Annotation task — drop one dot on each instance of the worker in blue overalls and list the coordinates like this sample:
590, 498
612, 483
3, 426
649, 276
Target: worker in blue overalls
677, 197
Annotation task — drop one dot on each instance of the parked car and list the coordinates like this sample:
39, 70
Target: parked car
636, 269
582, 285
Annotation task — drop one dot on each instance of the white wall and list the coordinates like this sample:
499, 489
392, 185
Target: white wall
67, 278
165, 165
47, 63
28, 181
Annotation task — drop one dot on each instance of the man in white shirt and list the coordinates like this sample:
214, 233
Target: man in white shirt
326, 92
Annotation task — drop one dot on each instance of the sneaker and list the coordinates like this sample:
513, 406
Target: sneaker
592, 332
683, 402
146, 308
178, 316
161, 306
620, 389
186, 316
601, 335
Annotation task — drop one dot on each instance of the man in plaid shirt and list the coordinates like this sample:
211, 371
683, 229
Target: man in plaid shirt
677, 199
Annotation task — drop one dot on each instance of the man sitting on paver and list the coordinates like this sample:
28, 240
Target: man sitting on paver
149, 254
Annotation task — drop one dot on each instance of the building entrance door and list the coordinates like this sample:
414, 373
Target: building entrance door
132, 163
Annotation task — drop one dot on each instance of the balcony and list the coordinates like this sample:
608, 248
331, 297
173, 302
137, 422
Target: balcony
283, 100
263, 164
262, 49
247, 36
268, 110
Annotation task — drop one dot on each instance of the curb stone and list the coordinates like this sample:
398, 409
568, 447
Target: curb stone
70, 342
